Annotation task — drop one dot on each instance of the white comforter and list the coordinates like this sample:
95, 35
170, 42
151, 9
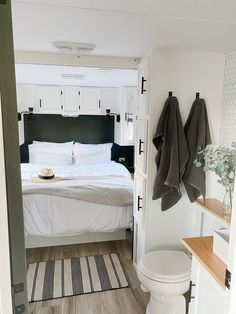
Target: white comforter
54, 215
111, 169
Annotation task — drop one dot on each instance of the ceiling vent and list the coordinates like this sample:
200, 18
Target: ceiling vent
71, 47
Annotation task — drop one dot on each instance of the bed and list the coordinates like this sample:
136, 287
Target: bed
93, 199
53, 215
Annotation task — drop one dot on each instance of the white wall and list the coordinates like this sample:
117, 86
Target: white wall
184, 73
228, 117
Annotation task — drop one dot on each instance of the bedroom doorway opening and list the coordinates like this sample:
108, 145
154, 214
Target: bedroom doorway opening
79, 122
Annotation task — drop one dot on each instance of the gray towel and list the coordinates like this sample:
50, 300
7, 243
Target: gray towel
198, 137
172, 155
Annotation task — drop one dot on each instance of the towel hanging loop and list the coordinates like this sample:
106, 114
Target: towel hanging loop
197, 95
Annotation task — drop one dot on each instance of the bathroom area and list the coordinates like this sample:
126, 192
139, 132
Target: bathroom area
184, 179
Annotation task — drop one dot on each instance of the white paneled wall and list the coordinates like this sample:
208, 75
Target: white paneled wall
228, 120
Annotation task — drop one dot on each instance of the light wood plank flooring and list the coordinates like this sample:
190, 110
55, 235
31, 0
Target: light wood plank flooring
123, 301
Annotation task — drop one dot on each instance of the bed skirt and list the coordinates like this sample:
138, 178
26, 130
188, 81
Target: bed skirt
40, 241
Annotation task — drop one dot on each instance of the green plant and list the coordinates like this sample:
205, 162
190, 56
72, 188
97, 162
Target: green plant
221, 161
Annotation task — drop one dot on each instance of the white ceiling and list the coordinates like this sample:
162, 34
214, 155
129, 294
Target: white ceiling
51, 74
125, 28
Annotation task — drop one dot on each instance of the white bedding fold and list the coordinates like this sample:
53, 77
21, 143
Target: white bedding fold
98, 190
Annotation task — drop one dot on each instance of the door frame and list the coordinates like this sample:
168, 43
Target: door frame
11, 191
5, 274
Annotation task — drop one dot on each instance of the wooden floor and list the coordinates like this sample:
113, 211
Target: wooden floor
122, 301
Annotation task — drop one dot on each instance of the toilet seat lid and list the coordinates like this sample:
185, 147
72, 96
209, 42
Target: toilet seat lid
166, 266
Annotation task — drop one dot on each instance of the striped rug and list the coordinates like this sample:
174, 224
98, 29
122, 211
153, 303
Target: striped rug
79, 275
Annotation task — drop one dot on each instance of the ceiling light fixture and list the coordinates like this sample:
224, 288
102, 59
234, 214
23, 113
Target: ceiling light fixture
72, 47
71, 76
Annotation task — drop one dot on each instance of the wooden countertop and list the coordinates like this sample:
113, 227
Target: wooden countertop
214, 207
202, 249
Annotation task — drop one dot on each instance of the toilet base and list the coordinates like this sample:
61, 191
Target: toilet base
166, 305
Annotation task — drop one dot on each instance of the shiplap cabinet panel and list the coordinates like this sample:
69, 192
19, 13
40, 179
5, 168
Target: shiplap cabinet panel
143, 90
90, 100
50, 99
71, 99
110, 99
27, 97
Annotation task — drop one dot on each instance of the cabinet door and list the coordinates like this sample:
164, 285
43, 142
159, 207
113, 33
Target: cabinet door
110, 99
139, 196
141, 145
143, 89
50, 99
207, 295
26, 97
130, 99
71, 99
90, 100
139, 242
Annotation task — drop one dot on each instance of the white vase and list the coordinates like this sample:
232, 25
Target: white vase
227, 203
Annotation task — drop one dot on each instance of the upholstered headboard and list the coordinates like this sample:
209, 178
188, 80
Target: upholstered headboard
87, 129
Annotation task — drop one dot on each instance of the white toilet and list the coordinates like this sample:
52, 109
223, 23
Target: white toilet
166, 275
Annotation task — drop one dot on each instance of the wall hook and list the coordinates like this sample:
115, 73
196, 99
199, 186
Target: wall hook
197, 95
170, 94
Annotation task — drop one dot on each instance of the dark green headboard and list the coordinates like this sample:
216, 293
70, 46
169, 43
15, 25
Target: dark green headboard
86, 129
56, 128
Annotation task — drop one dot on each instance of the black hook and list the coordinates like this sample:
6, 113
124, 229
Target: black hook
197, 95
170, 94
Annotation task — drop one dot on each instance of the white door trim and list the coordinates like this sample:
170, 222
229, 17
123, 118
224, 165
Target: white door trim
232, 258
5, 271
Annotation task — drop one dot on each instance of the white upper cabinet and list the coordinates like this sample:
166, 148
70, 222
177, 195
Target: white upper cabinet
143, 89
110, 99
71, 99
50, 99
90, 100
26, 97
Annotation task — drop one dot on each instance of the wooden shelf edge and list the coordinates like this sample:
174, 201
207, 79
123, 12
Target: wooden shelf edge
214, 207
201, 248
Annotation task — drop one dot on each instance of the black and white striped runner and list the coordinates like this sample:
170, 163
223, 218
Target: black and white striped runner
79, 275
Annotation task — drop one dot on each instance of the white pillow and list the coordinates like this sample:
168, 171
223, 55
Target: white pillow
92, 153
52, 143
51, 153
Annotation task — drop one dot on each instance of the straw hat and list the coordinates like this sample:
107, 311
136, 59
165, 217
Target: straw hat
45, 175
